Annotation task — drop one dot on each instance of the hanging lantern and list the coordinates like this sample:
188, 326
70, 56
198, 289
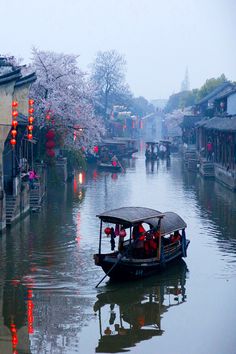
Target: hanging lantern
13, 133
107, 231
30, 119
50, 134
14, 104
95, 149
30, 127
48, 117
50, 152
50, 144
14, 123
15, 113
13, 142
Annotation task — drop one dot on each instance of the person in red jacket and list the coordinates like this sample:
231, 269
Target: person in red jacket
139, 237
176, 237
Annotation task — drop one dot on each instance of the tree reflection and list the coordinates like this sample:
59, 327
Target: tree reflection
135, 310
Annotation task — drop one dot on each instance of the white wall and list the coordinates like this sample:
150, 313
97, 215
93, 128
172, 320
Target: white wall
231, 104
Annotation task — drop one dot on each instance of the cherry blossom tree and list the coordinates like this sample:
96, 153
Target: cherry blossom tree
64, 99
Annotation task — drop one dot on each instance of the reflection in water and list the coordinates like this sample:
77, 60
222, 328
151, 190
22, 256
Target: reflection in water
151, 166
217, 206
48, 277
135, 310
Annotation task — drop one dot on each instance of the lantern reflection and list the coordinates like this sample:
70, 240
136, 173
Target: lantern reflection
30, 307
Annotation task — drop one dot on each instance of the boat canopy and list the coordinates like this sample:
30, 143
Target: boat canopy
171, 222
130, 215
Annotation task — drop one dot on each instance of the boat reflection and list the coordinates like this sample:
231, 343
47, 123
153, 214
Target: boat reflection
133, 311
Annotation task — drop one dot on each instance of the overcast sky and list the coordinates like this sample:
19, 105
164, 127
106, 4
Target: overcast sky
159, 39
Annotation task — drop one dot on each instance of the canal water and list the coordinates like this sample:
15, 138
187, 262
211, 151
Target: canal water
48, 299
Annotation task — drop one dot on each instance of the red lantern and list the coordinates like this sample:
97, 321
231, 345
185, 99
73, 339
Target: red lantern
30, 127
31, 102
95, 149
14, 104
13, 133
31, 110
50, 134
48, 117
50, 152
114, 163
14, 123
15, 113
30, 136
31, 119
107, 231
13, 142
50, 144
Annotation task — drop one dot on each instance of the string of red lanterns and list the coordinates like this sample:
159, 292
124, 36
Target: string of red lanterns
14, 123
30, 119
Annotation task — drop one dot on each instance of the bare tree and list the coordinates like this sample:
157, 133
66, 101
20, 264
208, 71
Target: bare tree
108, 76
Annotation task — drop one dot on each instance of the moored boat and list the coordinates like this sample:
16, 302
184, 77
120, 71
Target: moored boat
109, 166
154, 241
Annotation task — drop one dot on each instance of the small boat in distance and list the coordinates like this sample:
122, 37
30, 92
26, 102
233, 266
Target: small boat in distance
154, 241
109, 166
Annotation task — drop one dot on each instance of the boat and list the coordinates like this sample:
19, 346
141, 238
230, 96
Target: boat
109, 166
141, 256
133, 313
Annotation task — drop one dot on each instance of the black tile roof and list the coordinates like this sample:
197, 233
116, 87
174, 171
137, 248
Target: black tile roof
219, 123
10, 76
26, 79
215, 92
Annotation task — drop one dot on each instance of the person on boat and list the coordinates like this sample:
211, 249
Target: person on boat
112, 241
138, 237
122, 234
114, 160
152, 242
175, 237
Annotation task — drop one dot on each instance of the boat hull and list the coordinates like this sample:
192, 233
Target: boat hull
127, 269
109, 167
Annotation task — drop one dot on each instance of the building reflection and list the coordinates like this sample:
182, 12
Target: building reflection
16, 319
217, 204
132, 313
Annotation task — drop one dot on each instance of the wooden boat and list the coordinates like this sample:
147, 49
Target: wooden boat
129, 260
108, 166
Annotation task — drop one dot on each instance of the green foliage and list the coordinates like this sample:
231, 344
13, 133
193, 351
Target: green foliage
75, 159
140, 106
210, 85
190, 98
181, 100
